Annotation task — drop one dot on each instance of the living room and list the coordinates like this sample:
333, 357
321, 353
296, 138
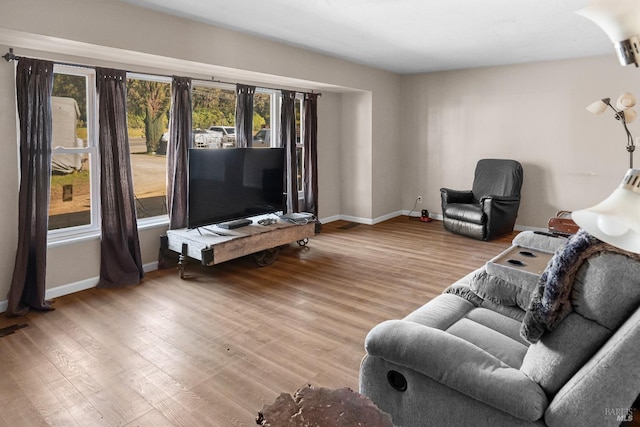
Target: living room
385, 138
380, 151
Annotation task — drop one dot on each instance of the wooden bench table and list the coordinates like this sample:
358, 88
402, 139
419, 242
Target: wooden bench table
212, 244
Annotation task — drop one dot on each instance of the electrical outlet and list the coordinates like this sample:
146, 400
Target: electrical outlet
419, 199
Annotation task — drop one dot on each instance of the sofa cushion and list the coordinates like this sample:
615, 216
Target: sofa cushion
492, 332
553, 360
516, 292
502, 347
607, 289
506, 325
441, 312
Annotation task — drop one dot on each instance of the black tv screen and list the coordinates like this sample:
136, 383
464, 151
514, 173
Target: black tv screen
234, 183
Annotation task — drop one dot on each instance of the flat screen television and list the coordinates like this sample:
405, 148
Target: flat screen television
234, 183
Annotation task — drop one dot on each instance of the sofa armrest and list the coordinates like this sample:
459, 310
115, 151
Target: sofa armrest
500, 199
539, 241
501, 213
459, 365
455, 196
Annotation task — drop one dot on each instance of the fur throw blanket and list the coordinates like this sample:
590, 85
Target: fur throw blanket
551, 302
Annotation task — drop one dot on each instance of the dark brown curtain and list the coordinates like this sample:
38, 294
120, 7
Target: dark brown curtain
310, 117
244, 115
34, 83
177, 151
120, 259
288, 141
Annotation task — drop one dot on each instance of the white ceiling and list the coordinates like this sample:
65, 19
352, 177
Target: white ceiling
410, 36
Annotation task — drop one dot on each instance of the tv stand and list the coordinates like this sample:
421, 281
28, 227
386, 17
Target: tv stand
213, 245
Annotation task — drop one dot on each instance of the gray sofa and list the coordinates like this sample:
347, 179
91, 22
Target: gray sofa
461, 359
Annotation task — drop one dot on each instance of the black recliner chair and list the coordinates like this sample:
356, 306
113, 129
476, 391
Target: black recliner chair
491, 207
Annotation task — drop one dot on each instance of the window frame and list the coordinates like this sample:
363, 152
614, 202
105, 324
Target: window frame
92, 229
274, 111
161, 219
214, 85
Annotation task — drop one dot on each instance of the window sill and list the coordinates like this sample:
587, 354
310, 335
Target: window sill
88, 235
155, 222
72, 238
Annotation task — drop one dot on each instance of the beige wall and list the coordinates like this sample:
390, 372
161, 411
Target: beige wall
112, 33
534, 113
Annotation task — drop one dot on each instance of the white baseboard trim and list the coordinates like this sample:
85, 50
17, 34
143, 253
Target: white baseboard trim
329, 219
71, 288
81, 285
386, 217
360, 220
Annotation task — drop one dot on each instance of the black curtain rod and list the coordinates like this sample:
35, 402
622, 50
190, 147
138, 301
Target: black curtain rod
10, 56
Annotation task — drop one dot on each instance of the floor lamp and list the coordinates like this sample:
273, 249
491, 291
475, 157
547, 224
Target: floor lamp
623, 112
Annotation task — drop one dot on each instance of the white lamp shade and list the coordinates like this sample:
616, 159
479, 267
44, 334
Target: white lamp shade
597, 107
620, 19
630, 115
625, 101
616, 220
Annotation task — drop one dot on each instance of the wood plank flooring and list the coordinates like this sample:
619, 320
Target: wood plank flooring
212, 349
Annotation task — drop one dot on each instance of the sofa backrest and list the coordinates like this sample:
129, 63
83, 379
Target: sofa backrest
605, 292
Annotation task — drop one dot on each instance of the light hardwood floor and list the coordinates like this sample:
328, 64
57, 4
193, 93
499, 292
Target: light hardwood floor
211, 350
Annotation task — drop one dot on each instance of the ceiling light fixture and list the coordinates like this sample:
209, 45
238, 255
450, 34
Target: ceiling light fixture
620, 19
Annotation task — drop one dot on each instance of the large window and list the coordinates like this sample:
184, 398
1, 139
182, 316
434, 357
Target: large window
148, 105
214, 116
214, 107
75, 187
263, 114
73, 201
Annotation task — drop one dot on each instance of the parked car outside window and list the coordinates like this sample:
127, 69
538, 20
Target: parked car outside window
228, 133
262, 138
201, 138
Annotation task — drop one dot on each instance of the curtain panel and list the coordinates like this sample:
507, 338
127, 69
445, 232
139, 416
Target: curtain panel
288, 141
244, 115
177, 151
120, 259
34, 85
310, 117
